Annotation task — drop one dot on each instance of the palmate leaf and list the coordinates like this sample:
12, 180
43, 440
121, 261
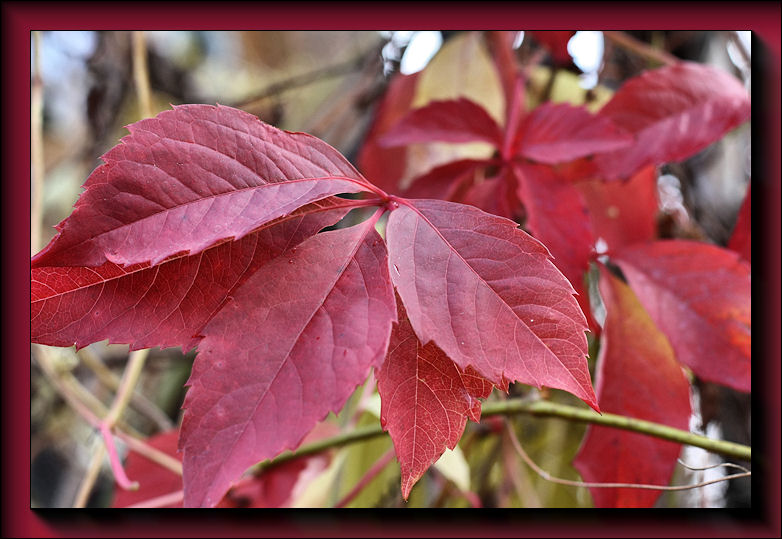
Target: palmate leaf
287, 319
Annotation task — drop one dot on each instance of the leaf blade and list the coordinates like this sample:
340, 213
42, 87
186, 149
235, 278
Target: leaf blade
471, 281
189, 178
303, 351
425, 400
636, 377
674, 111
699, 296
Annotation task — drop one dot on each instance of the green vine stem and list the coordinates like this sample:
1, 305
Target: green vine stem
537, 408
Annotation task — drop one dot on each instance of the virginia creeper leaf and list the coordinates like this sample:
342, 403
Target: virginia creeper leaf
557, 216
674, 112
296, 339
555, 133
637, 376
741, 240
458, 120
189, 178
699, 296
488, 295
425, 400
446, 182
495, 195
163, 305
622, 213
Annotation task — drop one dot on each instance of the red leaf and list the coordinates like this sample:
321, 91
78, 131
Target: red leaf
189, 178
556, 215
446, 182
495, 195
623, 213
556, 42
458, 120
426, 400
555, 133
386, 166
637, 376
295, 341
699, 296
488, 295
674, 111
163, 305
741, 240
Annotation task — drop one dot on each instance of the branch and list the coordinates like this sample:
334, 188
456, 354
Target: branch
304, 79
538, 408
553, 409
640, 48
121, 399
141, 74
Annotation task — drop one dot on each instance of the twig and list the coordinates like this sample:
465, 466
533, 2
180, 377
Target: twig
373, 472
548, 477
640, 48
121, 399
138, 401
36, 147
712, 466
82, 497
302, 80
155, 455
141, 74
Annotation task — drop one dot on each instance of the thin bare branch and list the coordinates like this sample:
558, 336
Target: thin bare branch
548, 477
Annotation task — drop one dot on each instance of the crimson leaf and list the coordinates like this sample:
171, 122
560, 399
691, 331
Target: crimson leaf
488, 295
166, 304
276, 360
425, 400
457, 120
637, 376
555, 133
699, 296
674, 111
189, 178
622, 213
557, 216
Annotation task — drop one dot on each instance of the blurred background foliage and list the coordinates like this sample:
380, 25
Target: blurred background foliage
329, 84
